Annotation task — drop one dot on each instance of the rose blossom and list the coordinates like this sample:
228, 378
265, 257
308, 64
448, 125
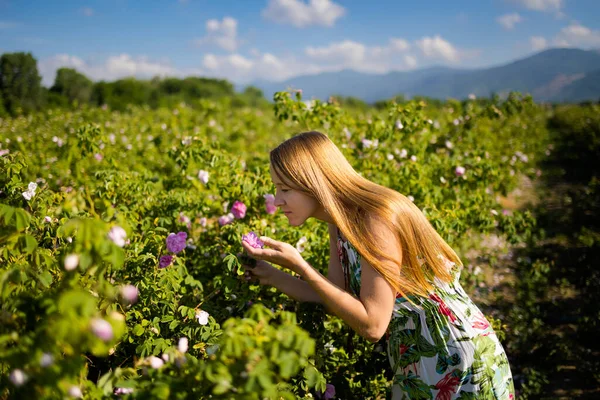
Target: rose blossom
270, 204
176, 242
117, 235
102, 329
253, 240
129, 293
202, 317
238, 210
71, 262
203, 176
165, 261
226, 219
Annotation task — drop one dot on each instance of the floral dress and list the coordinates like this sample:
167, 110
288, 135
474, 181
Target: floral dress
442, 347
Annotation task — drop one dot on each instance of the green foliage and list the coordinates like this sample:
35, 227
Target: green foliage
20, 83
98, 169
69, 83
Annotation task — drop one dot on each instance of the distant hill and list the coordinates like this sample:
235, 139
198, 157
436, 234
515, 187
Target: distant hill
551, 75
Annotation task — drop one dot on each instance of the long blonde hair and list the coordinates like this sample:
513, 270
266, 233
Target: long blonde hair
312, 162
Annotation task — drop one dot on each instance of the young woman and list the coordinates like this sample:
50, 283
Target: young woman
390, 273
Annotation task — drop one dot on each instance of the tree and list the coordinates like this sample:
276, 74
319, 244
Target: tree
74, 86
20, 83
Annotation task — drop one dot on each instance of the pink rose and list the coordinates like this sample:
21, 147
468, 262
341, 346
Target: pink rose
270, 204
253, 240
238, 210
176, 242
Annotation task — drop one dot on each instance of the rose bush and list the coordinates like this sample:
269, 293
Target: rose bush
81, 232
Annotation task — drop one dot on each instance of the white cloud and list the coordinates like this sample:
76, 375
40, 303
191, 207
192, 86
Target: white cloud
300, 14
541, 5
437, 47
239, 68
112, 68
410, 61
508, 21
88, 12
576, 35
357, 56
346, 52
222, 34
538, 43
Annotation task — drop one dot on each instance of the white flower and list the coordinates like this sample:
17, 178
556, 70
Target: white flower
442, 179
403, 153
71, 262
449, 144
347, 133
18, 377
156, 362
28, 195
182, 346
75, 391
300, 245
203, 176
410, 198
46, 360
390, 157
399, 125
330, 347
413, 158
494, 212
460, 171
47, 219
117, 235
202, 317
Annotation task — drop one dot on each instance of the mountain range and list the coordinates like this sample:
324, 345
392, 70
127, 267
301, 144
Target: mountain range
554, 75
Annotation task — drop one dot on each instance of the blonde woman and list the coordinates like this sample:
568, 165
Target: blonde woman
390, 274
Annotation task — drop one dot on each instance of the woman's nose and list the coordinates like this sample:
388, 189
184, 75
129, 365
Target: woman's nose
278, 200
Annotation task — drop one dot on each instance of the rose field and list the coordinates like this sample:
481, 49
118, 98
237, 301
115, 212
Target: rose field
120, 232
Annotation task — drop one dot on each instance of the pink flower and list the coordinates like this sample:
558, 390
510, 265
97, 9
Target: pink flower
165, 261
117, 235
102, 329
328, 394
184, 219
98, 157
270, 203
460, 171
176, 242
129, 293
253, 240
238, 210
203, 222
226, 219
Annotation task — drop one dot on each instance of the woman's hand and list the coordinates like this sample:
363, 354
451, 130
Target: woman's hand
262, 272
279, 253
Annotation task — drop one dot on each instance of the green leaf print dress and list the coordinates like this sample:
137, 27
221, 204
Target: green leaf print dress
442, 347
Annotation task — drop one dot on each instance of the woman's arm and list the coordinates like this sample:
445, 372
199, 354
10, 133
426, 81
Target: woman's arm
369, 315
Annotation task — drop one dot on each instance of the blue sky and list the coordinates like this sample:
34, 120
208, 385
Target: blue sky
249, 40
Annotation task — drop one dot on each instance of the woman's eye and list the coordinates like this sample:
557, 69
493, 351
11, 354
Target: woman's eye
284, 190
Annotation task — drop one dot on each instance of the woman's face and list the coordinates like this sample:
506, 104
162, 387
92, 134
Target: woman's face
297, 205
